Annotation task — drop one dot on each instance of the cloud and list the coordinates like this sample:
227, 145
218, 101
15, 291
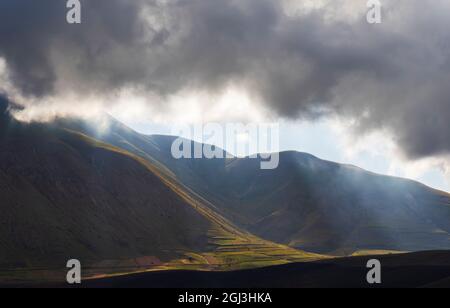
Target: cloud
297, 58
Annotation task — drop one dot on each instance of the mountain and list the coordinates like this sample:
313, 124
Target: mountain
306, 202
65, 194
322, 206
326, 207
118, 201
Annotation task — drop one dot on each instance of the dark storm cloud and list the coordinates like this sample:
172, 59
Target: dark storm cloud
40, 47
394, 76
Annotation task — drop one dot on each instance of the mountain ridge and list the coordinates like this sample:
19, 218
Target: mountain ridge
307, 203
68, 195
288, 206
304, 154
205, 177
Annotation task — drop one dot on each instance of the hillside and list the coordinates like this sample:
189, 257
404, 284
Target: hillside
330, 208
67, 195
307, 203
119, 202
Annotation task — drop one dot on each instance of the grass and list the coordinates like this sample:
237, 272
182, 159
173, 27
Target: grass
376, 252
233, 252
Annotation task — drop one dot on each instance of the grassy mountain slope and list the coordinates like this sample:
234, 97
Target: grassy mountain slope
307, 203
327, 207
67, 195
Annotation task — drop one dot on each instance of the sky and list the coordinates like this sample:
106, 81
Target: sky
373, 95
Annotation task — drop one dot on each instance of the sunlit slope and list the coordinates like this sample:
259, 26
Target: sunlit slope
229, 246
307, 203
67, 195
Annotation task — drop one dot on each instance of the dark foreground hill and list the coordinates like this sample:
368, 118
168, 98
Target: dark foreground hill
416, 270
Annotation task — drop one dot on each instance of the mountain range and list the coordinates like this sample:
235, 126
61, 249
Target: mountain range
306, 202
117, 200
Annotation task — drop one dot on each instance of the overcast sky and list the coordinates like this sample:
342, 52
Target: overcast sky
376, 95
